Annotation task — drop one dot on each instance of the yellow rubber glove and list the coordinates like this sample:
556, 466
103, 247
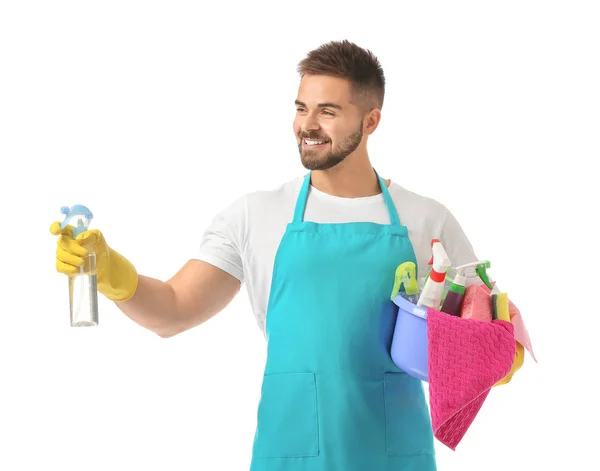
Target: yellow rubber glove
517, 364
117, 277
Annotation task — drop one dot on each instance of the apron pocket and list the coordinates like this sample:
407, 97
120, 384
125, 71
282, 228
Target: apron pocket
407, 421
287, 417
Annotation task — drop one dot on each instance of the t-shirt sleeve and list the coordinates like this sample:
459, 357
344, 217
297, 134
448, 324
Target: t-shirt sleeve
455, 242
223, 240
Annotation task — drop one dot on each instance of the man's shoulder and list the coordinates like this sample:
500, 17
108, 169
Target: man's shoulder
409, 199
281, 193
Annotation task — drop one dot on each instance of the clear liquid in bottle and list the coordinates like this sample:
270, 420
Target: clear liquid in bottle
83, 294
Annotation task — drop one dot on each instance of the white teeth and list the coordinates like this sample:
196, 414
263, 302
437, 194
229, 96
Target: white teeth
313, 143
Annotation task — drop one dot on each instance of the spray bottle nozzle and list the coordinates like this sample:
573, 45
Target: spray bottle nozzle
460, 279
433, 241
82, 215
481, 271
441, 262
406, 274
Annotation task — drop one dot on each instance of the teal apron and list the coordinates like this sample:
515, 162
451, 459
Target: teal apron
332, 399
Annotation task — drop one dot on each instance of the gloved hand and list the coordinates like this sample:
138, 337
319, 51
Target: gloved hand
117, 278
518, 362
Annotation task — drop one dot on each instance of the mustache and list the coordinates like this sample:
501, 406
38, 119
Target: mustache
314, 137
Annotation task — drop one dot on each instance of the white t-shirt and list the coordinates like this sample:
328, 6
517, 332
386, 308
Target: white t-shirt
243, 239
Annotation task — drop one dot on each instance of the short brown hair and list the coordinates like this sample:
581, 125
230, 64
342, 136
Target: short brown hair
346, 60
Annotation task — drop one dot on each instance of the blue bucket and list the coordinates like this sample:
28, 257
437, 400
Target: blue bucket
410, 344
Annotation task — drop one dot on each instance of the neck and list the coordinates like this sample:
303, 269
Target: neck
348, 179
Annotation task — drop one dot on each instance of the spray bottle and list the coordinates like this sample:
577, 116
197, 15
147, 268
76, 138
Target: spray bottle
423, 279
499, 299
83, 290
481, 271
406, 274
454, 298
432, 293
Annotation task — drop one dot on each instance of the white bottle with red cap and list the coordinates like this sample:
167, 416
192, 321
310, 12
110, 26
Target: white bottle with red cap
433, 291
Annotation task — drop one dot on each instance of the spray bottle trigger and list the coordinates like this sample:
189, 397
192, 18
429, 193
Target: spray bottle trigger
481, 271
433, 241
406, 274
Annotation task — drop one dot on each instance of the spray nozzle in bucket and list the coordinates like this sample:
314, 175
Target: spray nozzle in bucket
479, 266
406, 274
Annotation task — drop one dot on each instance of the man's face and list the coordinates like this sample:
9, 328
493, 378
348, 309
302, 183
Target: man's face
327, 126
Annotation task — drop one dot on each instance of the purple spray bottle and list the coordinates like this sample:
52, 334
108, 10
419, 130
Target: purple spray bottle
456, 293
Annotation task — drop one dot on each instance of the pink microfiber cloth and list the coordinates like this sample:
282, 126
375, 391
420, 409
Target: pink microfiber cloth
466, 358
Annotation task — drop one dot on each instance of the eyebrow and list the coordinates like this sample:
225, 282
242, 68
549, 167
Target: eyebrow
321, 105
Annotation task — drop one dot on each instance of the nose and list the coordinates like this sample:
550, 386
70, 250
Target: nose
310, 124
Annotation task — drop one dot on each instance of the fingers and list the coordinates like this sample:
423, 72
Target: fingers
69, 254
56, 230
69, 245
68, 258
90, 238
65, 268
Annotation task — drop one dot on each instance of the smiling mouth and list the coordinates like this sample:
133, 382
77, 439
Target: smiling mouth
312, 143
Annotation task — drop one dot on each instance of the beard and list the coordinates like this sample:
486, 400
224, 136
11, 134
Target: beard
324, 159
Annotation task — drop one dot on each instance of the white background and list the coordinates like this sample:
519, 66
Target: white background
157, 115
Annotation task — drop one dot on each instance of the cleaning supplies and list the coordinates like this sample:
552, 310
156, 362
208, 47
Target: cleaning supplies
424, 279
406, 274
465, 360
500, 305
501, 311
517, 364
453, 301
450, 274
481, 271
83, 288
521, 332
477, 303
432, 293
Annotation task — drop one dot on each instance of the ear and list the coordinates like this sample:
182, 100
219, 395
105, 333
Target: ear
371, 121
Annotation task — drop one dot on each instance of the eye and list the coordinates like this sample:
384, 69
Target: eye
328, 113
299, 110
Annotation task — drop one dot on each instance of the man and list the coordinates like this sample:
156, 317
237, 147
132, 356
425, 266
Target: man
318, 255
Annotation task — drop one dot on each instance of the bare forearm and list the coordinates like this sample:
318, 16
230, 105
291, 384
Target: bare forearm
153, 306
192, 296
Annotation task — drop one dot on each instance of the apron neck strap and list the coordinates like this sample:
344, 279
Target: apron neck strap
303, 196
